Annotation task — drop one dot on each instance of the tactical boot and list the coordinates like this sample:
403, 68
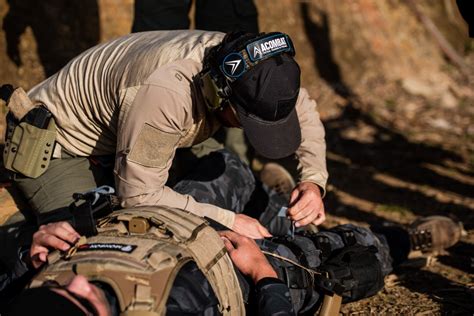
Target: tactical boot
277, 178
434, 233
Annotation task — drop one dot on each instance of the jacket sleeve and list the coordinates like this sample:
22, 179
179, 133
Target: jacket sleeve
148, 135
312, 151
273, 297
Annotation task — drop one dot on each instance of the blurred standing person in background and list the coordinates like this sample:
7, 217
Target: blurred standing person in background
210, 15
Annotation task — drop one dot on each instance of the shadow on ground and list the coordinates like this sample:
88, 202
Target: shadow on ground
391, 154
359, 165
454, 298
62, 29
375, 174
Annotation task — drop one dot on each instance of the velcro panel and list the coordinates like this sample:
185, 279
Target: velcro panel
153, 147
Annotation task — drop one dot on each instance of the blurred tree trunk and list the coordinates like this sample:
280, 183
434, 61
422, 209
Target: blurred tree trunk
348, 43
344, 44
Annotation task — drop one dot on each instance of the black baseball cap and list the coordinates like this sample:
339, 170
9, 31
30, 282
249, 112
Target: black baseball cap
265, 99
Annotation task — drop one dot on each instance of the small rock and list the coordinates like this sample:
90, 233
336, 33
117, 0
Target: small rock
440, 123
470, 130
417, 87
448, 100
411, 109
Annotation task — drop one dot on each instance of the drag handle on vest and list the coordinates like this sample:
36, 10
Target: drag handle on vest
83, 219
331, 305
84, 212
90, 206
79, 214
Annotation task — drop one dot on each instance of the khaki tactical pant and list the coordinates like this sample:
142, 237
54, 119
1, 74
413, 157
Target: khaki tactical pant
53, 190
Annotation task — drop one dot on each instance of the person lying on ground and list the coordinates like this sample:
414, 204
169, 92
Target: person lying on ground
223, 179
278, 270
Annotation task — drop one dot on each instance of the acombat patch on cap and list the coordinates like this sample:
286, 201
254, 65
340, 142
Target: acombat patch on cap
268, 46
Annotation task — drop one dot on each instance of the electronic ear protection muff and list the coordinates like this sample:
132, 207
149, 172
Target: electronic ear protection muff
210, 91
230, 60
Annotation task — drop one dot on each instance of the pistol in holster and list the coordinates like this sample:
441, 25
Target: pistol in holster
30, 135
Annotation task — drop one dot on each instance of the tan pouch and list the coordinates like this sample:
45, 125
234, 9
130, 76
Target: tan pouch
30, 149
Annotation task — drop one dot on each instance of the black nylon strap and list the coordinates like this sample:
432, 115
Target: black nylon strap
295, 277
297, 251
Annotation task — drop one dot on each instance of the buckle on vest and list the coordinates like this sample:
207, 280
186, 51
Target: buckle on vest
138, 225
334, 282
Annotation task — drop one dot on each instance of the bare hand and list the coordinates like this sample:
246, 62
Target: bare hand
249, 227
58, 235
306, 205
247, 256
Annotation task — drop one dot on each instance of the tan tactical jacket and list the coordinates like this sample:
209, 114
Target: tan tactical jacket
135, 97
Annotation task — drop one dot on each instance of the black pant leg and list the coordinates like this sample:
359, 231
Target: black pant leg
226, 15
222, 179
161, 15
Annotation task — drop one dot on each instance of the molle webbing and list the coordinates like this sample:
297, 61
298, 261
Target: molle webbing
151, 244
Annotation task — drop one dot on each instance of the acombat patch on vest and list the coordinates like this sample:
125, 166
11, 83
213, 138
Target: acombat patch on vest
153, 147
107, 246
